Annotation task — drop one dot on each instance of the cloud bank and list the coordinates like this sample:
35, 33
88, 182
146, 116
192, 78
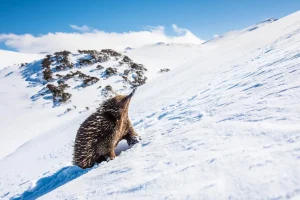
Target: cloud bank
86, 38
83, 28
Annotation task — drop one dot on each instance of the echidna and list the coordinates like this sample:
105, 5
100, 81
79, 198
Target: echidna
100, 133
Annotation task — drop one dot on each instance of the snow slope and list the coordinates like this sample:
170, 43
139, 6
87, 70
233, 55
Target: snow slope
163, 55
222, 124
25, 98
8, 58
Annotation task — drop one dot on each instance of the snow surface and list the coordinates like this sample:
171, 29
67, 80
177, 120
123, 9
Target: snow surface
222, 124
8, 58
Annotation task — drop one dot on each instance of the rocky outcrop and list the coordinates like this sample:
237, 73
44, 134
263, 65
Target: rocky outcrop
56, 71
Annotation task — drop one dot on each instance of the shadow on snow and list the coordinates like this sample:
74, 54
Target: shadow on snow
49, 183
64, 175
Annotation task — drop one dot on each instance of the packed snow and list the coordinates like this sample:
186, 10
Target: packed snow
222, 124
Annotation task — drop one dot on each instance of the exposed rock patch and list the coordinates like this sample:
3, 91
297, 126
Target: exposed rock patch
164, 70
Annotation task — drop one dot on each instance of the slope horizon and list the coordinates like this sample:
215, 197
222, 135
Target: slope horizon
86, 37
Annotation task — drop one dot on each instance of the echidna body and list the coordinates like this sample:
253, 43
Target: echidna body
100, 133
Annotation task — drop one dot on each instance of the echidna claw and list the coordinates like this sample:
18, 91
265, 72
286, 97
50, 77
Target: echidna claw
134, 140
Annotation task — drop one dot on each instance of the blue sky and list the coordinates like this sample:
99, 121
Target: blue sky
202, 18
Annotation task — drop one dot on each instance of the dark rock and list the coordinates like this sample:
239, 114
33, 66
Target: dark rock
164, 70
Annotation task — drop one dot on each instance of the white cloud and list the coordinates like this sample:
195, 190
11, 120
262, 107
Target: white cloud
95, 39
155, 28
83, 28
179, 30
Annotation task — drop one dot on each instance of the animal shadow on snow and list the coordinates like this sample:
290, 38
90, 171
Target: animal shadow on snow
46, 184
64, 175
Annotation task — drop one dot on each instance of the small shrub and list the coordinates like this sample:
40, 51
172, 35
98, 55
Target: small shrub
99, 67
47, 74
110, 72
136, 66
110, 52
164, 70
84, 61
58, 93
90, 80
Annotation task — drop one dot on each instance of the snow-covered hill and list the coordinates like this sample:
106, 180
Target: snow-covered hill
8, 58
222, 124
63, 82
